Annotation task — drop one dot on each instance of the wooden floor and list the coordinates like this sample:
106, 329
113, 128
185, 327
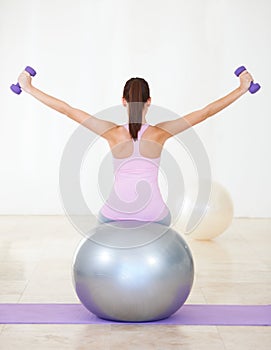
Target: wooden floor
35, 266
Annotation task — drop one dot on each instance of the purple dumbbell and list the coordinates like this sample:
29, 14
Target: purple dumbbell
254, 87
16, 87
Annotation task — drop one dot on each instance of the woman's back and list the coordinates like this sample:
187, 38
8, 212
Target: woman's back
149, 141
135, 194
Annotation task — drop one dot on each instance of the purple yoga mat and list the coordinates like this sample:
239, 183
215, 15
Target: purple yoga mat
204, 315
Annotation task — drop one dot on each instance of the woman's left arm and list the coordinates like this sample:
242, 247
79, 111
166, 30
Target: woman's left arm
98, 126
173, 127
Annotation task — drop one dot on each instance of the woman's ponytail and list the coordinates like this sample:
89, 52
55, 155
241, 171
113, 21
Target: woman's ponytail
135, 108
136, 92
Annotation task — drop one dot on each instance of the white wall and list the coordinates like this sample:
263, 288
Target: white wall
84, 51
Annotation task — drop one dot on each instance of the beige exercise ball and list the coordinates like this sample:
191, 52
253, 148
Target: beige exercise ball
218, 212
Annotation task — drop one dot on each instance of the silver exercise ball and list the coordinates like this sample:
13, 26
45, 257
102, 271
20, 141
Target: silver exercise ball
133, 271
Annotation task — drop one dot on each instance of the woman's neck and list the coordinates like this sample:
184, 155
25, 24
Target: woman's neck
144, 121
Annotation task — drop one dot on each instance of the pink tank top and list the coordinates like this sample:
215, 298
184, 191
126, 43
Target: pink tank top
135, 194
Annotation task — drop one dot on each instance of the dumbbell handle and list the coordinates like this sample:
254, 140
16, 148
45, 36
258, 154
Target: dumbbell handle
16, 87
254, 87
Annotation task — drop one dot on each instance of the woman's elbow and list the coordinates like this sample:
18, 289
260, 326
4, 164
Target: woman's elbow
205, 113
68, 110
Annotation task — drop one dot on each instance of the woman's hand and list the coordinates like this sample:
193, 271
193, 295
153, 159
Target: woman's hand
25, 80
245, 81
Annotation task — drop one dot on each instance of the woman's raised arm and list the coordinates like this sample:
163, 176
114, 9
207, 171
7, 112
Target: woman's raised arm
98, 126
173, 127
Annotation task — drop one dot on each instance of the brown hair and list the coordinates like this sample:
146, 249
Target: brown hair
136, 90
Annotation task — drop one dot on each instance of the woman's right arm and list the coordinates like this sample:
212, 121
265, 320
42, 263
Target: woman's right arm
99, 126
173, 127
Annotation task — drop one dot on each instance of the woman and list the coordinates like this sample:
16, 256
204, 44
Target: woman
136, 146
